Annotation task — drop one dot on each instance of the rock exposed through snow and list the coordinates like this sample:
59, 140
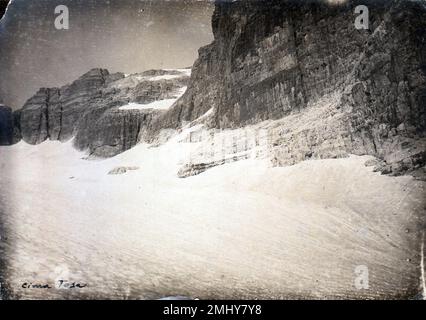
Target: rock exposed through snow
122, 170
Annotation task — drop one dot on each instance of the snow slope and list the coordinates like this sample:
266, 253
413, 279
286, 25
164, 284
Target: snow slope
158, 105
243, 230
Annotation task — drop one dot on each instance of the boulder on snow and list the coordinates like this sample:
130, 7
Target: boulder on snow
122, 170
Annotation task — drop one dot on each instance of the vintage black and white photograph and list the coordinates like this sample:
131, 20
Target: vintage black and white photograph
212, 149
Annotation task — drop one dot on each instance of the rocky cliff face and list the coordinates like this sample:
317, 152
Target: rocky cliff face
89, 109
274, 59
53, 113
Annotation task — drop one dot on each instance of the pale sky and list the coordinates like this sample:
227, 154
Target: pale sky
119, 35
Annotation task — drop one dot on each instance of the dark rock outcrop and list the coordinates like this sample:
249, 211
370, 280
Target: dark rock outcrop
189, 170
6, 126
271, 59
54, 113
89, 109
35, 125
17, 135
108, 133
122, 170
10, 131
107, 130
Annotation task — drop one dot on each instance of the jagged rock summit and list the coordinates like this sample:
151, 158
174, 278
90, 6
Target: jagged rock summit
103, 112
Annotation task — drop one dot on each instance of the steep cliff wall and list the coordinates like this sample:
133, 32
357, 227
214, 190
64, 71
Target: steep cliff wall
53, 113
272, 59
88, 110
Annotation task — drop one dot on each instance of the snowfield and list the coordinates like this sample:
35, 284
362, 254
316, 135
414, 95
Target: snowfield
241, 230
157, 105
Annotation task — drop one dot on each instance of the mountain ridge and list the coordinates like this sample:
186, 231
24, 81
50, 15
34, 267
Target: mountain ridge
284, 60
